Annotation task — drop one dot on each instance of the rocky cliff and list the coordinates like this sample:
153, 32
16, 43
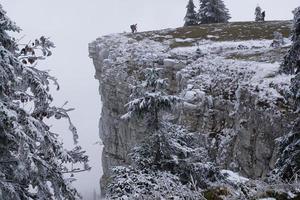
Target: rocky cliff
233, 97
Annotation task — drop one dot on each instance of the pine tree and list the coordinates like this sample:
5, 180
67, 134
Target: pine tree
288, 164
32, 160
291, 64
191, 16
213, 11
149, 98
258, 14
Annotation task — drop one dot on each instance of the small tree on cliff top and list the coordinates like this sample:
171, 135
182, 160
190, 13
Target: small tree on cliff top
149, 98
213, 11
191, 16
258, 14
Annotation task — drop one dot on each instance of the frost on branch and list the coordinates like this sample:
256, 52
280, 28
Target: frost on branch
32, 160
135, 184
288, 164
149, 98
29, 54
291, 64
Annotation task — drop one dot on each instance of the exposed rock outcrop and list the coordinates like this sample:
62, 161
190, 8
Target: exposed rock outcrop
233, 95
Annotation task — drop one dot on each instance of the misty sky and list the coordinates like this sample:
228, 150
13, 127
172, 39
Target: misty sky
72, 24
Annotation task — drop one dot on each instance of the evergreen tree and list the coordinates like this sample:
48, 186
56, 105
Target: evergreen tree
288, 164
258, 14
191, 16
149, 98
213, 11
291, 64
32, 160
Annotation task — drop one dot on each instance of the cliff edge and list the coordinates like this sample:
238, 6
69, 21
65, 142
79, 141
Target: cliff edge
234, 100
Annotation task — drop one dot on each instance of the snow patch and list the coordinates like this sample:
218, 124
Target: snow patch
233, 176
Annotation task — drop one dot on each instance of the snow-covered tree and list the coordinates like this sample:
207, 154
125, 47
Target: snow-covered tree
168, 163
149, 98
258, 14
291, 64
135, 184
213, 11
288, 164
191, 15
33, 163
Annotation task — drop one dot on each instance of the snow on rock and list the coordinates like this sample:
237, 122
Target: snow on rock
184, 40
170, 62
209, 46
234, 177
239, 105
194, 95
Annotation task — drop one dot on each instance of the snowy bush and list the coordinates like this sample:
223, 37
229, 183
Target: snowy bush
173, 149
131, 184
291, 63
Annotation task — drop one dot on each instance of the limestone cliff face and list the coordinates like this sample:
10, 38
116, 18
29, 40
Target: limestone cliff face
227, 76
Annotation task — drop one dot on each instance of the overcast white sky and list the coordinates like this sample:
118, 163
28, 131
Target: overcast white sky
72, 24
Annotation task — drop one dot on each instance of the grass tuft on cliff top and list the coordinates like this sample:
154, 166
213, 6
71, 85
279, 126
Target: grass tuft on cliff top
233, 31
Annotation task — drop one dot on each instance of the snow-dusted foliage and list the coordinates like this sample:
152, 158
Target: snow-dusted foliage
291, 64
7, 25
149, 98
32, 160
173, 149
213, 11
169, 159
295, 88
191, 16
288, 164
134, 184
258, 14
169, 163
173, 164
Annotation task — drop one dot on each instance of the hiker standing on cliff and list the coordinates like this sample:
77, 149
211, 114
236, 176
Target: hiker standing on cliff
263, 15
133, 28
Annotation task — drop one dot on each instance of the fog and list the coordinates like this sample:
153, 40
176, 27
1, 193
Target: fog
72, 24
